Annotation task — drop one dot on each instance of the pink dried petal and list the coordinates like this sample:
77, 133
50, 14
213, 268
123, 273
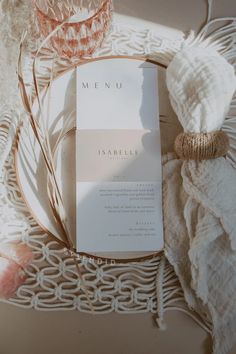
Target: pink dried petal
11, 277
18, 252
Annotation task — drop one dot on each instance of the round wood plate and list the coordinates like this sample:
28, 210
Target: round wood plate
29, 163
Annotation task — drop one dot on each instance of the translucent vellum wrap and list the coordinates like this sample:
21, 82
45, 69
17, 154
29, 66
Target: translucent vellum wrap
199, 216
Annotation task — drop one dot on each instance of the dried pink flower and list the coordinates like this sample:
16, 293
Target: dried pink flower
11, 277
18, 252
14, 257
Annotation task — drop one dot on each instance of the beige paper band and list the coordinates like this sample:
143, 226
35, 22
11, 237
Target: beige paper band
201, 146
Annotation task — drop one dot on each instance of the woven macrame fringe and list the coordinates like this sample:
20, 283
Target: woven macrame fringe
170, 297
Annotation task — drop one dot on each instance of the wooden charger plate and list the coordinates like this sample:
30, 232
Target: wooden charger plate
29, 164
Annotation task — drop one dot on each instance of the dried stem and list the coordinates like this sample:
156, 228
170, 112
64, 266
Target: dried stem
41, 134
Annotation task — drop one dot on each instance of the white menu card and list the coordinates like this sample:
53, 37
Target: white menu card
118, 157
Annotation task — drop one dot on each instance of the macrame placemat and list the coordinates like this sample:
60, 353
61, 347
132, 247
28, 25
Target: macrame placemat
53, 282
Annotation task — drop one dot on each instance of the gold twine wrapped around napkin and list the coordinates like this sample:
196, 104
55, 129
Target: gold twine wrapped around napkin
201, 146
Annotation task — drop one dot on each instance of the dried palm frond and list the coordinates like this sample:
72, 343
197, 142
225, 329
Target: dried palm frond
40, 130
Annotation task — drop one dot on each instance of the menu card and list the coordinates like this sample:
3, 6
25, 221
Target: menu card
118, 157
